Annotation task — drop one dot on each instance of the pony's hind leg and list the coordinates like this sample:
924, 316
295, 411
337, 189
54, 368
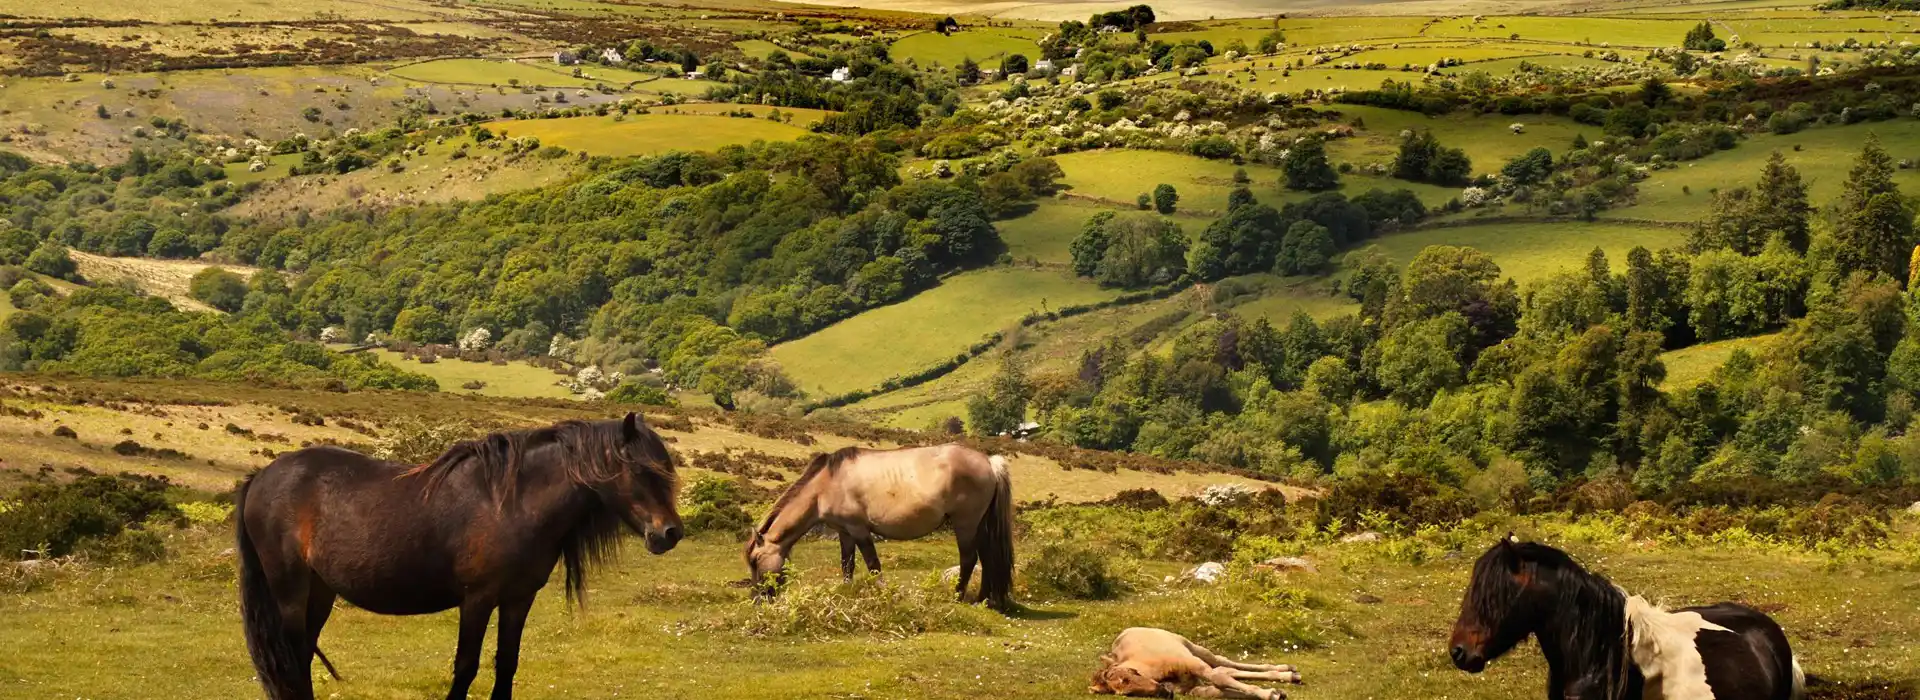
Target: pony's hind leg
319, 607
466, 656
969, 557
506, 659
1219, 661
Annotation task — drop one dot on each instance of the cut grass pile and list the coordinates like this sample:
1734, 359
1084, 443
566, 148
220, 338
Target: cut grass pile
928, 328
641, 134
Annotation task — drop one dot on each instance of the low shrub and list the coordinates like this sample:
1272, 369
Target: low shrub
715, 504
1076, 570
414, 441
864, 606
92, 512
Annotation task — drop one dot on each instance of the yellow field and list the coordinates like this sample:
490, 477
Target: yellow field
641, 134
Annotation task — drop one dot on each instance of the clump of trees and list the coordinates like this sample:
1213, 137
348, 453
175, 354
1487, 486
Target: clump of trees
1130, 250
1423, 159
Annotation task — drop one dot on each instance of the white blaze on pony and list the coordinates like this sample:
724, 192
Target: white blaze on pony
1149, 662
898, 494
1603, 644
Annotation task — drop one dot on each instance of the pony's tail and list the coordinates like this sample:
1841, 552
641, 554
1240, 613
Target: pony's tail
1802, 681
277, 657
995, 538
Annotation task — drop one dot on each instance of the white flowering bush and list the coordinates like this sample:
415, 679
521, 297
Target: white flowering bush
1224, 494
1475, 196
332, 334
476, 340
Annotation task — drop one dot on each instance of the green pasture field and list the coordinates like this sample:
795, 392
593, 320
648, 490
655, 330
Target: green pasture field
511, 380
640, 134
1423, 55
984, 46
1594, 31
1303, 32
677, 86
1488, 139
1046, 234
1528, 251
927, 328
802, 116
1119, 176
1268, 80
758, 48
1507, 66
1825, 156
1691, 365
667, 626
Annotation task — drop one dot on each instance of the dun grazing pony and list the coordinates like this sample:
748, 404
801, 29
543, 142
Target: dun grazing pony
898, 494
1146, 662
1602, 644
480, 528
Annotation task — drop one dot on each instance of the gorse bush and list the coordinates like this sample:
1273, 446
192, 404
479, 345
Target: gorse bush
1076, 570
102, 516
716, 504
866, 606
415, 441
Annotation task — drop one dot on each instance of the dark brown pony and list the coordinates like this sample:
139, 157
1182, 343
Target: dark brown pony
1604, 644
481, 528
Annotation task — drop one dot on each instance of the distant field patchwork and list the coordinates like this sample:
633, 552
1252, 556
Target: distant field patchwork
932, 326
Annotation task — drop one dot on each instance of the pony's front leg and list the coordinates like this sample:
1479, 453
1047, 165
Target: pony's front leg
506, 659
846, 557
870, 554
466, 657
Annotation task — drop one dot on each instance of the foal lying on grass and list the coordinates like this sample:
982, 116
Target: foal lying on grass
1148, 662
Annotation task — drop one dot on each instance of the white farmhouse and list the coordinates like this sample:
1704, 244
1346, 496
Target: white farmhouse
842, 74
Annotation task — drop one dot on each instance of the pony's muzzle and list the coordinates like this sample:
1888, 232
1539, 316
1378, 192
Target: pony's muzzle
1469, 661
662, 540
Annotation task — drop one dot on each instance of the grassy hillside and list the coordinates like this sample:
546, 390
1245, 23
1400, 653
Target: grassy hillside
1689, 366
1823, 155
864, 350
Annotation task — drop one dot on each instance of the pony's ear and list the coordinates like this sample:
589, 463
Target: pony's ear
1512, 552
631, 426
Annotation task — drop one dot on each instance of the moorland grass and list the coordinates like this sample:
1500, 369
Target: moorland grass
667, 626
641, 134
928, 328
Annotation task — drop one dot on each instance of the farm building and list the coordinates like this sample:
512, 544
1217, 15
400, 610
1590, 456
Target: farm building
566, 58
612, 57
1043, 65
842, 74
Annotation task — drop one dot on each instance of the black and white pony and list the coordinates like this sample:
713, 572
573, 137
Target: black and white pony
1602, 644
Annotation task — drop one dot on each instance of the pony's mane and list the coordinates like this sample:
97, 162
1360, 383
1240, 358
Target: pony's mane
822, 462
1589, 629
595, 453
